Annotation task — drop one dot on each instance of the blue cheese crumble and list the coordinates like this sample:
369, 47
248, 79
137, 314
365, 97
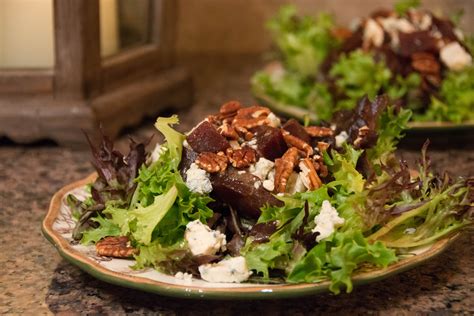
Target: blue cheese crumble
232, 270
327, 221
197, 180
202, 240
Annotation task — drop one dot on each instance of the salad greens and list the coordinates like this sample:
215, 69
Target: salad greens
324, 73
384, 210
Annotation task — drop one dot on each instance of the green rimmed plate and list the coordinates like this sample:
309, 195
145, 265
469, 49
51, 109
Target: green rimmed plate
58, 225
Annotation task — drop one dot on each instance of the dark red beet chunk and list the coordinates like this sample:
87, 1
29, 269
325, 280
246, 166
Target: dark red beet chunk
297, 130
187, 158
205, 137
270, 142
420, 41
238, 190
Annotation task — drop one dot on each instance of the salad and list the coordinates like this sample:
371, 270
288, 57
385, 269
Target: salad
246, 196
420, 60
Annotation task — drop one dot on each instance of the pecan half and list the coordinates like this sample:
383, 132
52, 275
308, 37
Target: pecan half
362, 133
284, 167
212, 162
318, 131
251, 117
228, 131
300, 144
243, 132
319, 166
312, 180
117, 247
228, 111
241, 158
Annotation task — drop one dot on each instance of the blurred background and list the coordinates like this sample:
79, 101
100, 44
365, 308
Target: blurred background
74, 56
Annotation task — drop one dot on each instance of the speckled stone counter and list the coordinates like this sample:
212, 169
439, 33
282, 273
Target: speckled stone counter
34, 279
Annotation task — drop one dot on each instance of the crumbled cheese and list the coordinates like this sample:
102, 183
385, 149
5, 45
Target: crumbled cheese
232, 270
187, 277
455, 57
186, 144
257, 184
269, 185
410, 231
341, 138
373, 33
459, 34
327, 221
241, 171
202, 240
394, 25
157, 152
262, 168
425, 22
197, 180
273, 120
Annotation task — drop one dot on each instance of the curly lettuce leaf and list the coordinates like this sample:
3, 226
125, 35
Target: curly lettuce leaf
456, 98
174, 139
304, 41
336, 258
106, 228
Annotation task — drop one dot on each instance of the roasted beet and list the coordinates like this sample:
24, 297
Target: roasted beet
296, 129
187, 158
270, 142
414, 42
239, 191
205, 137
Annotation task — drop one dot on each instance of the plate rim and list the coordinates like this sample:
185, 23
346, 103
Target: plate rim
189, 291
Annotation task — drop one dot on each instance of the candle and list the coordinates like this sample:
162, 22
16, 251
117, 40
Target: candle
26, 32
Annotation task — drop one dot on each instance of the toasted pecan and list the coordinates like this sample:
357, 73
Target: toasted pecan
312, 179
241, 158
117, 247
284, 167
212, 162
298, 143
318, 131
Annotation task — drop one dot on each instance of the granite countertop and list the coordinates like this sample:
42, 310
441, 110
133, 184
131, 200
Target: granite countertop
36, 280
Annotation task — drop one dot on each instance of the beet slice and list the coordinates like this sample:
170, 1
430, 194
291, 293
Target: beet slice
206, 138
238, 190
296, 129
270, 142
187, 158
420, 41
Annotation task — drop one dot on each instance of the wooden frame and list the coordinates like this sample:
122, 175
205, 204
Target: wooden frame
84, 89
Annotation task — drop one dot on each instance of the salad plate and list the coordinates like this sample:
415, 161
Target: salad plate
58, 225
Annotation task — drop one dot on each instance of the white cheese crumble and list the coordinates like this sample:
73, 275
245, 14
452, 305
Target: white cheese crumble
455, 57
252, 143
232, 270
268, 185
202, 240
273, 120
257, 184
327, 221
373, 33
157, 152
341, 138
262, 168
186, 144
187, 277
197, 180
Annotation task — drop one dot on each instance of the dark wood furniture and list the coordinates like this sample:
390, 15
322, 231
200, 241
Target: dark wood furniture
83, 89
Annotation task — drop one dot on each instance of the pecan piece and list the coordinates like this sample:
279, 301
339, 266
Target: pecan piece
241, 158
311, 179
212, 162
117, 247
300, 144
322, 146
362, 133
425, 63
245, 134
230, 108
318, 131
284, 167
228, 131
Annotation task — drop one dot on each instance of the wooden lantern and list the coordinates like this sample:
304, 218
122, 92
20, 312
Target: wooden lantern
83, 90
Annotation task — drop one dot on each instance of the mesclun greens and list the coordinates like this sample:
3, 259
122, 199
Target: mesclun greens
324, 72
383, 210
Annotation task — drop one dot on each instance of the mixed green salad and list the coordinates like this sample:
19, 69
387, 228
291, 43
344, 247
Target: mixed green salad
420, 60
242, 198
